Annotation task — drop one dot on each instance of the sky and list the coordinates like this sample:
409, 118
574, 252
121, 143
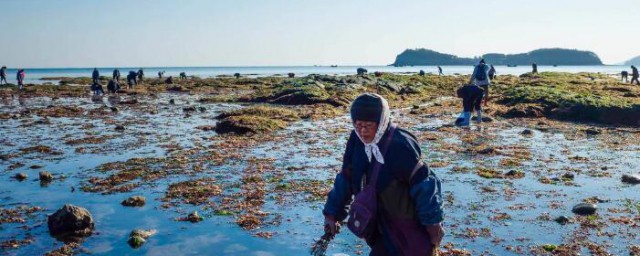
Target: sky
152, 33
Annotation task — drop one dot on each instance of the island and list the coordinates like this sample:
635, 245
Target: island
553, 56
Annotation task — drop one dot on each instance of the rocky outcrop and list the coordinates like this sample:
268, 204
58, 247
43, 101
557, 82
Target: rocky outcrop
71, 221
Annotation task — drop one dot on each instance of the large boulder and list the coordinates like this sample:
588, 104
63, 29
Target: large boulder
71, 220
631, 179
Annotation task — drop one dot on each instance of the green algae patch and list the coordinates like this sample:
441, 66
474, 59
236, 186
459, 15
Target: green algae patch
249, 124
580, 97
255, 120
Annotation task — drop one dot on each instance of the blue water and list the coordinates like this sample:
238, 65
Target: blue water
35, 75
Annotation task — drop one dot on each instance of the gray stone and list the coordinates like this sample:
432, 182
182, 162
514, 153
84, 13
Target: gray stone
584, 209
631, 179
562, 220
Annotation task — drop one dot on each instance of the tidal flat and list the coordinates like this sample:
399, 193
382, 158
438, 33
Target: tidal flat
242, 166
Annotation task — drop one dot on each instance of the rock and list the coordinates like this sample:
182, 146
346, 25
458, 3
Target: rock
172, 101
202, 109
21, 176
194, 217
114, 109
136, 241
71, 220
487, 119
527, 132
549, 247
514, 174
593, 131
119, 128
409, 90
525, 111
206, 127
584, 209
562, 220
189, 109
45, 176
487, 151
138, 237
631, 179
568, 176
134, 201
143, 233
390, 86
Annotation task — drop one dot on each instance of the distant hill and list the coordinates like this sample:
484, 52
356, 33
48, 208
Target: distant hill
555, 56
635, 61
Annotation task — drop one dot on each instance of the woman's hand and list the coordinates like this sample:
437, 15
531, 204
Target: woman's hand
331, 225
436, 233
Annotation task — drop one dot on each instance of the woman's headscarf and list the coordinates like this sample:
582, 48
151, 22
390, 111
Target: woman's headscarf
372, 107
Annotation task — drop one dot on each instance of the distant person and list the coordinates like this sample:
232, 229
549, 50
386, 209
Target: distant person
113, 86
140, 76
3, 75
96, 88
440, 71
183, 75
291, 75
492, 73
634, 75
116, 74
131, 79
535, 68
160, 74
20, 77
361, 71
169, 80
95, 75
471, 95
480, 77
625, 76
422, 72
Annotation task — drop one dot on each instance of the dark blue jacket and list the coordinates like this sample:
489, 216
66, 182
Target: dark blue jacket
399, 194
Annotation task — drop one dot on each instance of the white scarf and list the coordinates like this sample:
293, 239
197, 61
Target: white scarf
372, 148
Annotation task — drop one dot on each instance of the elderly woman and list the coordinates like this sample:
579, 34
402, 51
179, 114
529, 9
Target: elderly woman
406, 198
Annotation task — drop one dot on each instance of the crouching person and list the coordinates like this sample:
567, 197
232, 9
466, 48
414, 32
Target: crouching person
394, 201
96, 88
113, 86
471, 95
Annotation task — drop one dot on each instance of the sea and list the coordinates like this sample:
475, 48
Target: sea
35, 75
